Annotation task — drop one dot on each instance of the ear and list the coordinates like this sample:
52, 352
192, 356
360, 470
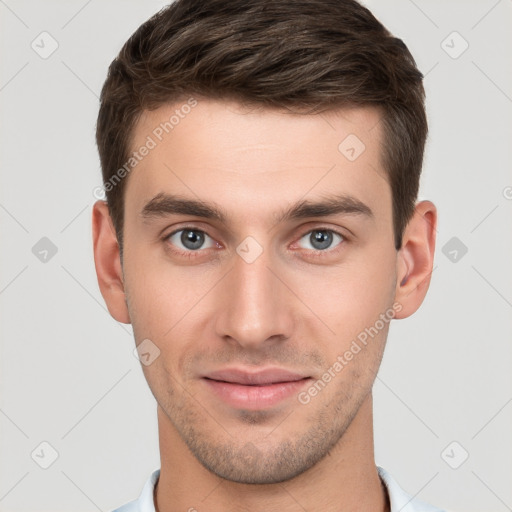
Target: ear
415, 259
107, 261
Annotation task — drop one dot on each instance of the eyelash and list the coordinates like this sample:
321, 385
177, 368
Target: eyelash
312, 253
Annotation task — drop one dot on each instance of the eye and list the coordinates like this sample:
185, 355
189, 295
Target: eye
190, 239
320, 239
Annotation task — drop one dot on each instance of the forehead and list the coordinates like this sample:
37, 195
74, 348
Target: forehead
249, 158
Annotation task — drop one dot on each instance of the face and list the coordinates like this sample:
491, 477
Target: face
251, 293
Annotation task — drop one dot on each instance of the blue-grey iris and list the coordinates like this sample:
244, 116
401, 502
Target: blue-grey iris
321, 239
192, 239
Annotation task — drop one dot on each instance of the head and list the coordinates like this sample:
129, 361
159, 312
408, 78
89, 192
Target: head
306, 56
261, 162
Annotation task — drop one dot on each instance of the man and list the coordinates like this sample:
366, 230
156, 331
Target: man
261, 161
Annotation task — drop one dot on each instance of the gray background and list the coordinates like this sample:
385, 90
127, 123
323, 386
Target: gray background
68, 374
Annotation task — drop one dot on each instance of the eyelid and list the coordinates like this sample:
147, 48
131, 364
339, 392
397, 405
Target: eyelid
324, 227
191, 224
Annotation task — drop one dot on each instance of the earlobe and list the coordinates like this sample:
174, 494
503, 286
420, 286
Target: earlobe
108, 262
415, 259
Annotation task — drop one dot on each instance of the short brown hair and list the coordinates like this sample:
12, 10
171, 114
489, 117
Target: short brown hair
314, 54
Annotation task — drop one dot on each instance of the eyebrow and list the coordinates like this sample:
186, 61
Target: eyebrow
163, 205
167, 204
328, 205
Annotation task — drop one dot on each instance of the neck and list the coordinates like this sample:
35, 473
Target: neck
345, 480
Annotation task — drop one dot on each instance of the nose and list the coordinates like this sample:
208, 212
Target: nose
255, 307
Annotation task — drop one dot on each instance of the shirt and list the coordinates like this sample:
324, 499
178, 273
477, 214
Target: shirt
400, 501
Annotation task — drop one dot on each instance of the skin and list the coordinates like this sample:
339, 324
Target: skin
288, 308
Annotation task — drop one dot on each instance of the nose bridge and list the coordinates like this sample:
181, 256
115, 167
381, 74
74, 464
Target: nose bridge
254, 309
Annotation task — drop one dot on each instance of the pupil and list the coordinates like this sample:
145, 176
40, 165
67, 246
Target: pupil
321, 239
192, 239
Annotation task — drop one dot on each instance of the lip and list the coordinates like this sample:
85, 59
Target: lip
257, 378
254, 390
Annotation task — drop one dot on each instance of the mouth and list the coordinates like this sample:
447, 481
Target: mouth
242, 384
254, 390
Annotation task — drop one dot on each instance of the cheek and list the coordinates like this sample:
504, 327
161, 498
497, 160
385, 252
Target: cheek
164, 297
350, 297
